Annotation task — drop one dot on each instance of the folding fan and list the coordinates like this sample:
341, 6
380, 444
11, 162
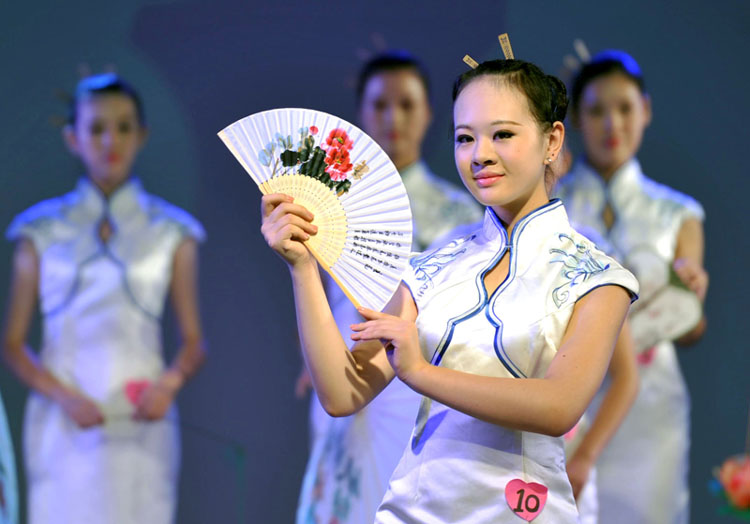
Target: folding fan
349, 184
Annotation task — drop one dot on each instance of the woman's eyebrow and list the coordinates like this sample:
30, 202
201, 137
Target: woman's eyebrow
493, 123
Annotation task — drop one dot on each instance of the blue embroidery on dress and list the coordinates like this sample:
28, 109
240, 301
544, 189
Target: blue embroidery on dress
579, 265
430, 264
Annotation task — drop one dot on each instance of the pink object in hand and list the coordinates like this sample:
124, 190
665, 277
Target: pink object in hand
526, 499
135, 388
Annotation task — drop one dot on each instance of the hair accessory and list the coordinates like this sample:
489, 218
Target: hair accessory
571, 64
470, 62
84, 71
505, 44
581, 50
349, 184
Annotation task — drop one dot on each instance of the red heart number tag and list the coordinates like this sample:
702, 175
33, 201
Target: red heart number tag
527, 500
134, 389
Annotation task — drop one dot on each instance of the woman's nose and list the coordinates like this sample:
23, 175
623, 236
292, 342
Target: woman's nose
484, 154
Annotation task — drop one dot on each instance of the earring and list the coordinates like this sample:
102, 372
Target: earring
549, 160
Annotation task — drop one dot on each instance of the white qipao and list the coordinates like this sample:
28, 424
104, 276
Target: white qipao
457, 468
101, 305
352, 458
642, 473
8, 486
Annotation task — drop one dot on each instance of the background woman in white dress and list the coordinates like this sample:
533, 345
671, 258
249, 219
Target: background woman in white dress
101, 432
654, 231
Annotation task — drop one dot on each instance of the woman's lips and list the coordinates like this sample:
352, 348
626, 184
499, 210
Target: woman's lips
612, 143
113, 158
487, 179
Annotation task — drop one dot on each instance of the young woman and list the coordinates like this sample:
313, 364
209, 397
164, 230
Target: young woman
506, 332
642, 474
352, 458
101, 439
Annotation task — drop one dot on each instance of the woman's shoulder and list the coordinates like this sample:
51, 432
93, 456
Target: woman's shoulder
670, 199
582, 267
160, 210
40, 216
442, 263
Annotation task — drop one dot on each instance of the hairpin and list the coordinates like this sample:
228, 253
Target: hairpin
505, 44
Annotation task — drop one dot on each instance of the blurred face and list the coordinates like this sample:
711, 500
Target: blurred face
106, 137
394, 110
612, 116
501, 152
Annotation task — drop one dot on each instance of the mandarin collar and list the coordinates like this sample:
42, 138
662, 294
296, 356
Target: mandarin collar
529, 234
624, 181
121, 205
414, 174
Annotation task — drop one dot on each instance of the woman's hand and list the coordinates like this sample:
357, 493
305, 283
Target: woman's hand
579, 469
399, 337
154, 402
285, 226
84, 411
692, 275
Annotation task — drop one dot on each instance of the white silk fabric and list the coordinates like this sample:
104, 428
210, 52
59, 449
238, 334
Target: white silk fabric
456, 467
101, 304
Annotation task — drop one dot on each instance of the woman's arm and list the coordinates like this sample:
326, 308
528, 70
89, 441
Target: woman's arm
551, 405
19, 357
623, 388
344, 380
688, 264
156, 400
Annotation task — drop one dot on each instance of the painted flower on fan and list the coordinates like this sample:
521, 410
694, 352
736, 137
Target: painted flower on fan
338, 138
338, 163
313, 130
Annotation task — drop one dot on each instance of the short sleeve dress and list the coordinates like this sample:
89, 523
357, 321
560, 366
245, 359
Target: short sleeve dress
101, 306
457, 468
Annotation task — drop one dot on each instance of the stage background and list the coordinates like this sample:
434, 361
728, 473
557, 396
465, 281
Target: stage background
203, 64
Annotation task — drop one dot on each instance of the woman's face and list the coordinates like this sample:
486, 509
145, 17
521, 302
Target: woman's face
106, 137
500, 149
395, 111
612, 116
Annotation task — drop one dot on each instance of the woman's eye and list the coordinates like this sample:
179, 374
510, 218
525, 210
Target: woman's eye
96, 129
463, 139
125, 127
502, 135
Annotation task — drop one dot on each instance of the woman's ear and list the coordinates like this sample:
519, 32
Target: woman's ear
646, 110
144, 133
555, 140
70, 139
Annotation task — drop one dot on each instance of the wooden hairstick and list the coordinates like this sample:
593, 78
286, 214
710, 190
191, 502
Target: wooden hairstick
505, 44
470, 62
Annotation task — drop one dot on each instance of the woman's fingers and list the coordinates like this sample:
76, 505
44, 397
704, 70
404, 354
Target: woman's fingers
371, 314
692, 275
274, 205
269, 202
